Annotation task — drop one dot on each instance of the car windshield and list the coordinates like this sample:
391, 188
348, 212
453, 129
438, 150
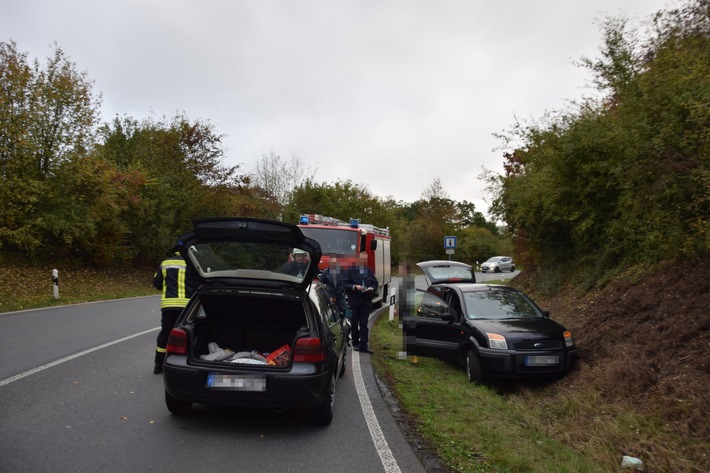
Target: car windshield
493, 260
261, 260
333, 242
498, 305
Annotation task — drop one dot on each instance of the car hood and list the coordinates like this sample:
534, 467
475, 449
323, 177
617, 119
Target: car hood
254, 252
443, 271
519, 330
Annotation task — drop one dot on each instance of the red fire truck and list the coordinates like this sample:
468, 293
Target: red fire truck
346, 241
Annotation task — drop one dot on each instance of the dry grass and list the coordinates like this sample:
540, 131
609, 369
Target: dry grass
27, 287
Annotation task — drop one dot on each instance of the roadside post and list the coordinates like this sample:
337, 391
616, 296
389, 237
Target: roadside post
55, 281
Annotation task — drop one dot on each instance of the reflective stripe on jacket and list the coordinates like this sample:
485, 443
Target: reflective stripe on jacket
174, 280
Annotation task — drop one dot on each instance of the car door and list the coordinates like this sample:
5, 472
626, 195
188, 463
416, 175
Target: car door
331, 318
435, 330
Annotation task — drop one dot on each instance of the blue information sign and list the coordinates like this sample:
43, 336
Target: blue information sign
449, 242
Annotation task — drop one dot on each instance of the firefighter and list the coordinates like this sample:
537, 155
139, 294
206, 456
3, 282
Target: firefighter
177, 286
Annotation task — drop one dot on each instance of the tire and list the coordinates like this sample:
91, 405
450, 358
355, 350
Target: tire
512, 269
497, 269
176, 406
473, 367
323, 414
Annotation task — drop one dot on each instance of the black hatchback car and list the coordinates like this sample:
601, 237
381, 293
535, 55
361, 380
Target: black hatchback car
255, 334
495, 331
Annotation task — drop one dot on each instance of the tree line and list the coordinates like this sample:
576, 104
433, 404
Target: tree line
121, 192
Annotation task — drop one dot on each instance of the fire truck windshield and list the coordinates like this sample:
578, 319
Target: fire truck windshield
332, 241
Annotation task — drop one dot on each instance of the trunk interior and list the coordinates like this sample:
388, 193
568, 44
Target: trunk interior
248, 323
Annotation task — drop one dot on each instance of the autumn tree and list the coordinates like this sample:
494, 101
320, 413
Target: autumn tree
342, 199
48, 114
185, 178
423, 237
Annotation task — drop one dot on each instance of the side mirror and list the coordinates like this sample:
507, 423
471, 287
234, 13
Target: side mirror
447, 316
546, 313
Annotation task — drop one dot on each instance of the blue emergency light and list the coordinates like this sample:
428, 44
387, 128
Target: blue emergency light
304, 220
354, 222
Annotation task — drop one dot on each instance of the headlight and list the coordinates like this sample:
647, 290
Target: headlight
569, 341
497, 341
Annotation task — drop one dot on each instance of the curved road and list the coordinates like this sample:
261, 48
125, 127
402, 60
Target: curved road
77, 394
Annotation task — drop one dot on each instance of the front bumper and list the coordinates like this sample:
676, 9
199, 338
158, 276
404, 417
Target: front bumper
512, 363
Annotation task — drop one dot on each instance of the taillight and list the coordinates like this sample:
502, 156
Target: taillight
308, 350
177, 342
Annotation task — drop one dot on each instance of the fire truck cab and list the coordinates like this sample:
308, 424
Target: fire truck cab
346, 241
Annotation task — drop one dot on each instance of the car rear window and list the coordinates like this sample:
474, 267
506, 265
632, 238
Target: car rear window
258, 260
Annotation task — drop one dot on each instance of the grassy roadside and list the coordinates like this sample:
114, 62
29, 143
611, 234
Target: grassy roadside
23, 287
476, 428
569, 425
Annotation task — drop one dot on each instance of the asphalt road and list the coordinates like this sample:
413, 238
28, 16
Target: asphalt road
77, 394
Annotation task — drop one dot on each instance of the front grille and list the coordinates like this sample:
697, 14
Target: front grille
540, 345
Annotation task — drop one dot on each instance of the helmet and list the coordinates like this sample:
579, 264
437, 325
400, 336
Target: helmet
298, 251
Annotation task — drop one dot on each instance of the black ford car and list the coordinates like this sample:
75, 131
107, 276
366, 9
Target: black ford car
256, 333
496, 331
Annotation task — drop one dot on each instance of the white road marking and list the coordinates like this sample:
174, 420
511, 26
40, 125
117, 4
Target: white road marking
383, 450
71, 357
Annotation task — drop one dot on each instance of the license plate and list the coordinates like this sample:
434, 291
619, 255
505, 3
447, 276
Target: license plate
236, 382
542, 360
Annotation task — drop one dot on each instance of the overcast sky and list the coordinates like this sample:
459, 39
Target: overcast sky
389, 94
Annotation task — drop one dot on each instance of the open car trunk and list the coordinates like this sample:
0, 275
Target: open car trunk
252, 329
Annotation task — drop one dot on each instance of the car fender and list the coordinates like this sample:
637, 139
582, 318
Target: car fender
467, 343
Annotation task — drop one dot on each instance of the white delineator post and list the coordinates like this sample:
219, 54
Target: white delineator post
55, 281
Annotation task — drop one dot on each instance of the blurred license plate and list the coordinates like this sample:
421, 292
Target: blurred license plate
542, 360
236, 382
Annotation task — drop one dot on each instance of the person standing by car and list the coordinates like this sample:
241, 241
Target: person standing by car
361, 285
177, 285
